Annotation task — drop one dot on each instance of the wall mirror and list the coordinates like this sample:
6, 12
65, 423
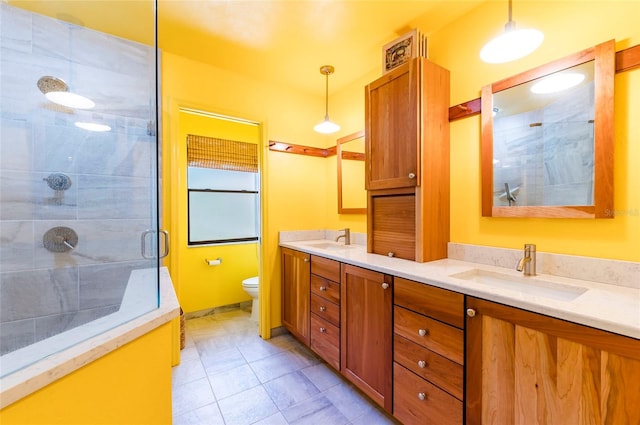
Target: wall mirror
547, 151
352, 196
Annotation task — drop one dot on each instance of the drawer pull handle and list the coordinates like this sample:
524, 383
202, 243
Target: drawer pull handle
422, 396
385, 285
412, 176
471, 312
306, 260
323, 288
422, 364
323, 308
391, 254
423, 332
323, 330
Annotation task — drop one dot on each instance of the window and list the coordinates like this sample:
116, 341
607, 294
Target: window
223, 190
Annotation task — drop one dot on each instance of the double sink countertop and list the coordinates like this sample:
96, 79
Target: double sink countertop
600, 305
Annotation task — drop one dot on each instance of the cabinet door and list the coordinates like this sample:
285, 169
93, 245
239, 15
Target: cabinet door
296, 274
392, 131
526, 368
392, 225
366, 327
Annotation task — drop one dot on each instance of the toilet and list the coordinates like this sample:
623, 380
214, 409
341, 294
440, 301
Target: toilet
250, 286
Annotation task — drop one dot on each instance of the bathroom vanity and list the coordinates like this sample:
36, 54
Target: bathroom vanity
452, 342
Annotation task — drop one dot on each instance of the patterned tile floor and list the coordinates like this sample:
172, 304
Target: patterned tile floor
229, 375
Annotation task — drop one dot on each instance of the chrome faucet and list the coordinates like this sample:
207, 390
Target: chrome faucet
528, 262
346, 236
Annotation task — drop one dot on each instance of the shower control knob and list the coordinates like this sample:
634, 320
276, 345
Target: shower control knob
412, 176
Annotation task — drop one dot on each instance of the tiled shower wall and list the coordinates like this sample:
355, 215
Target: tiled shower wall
547, 153
112, 197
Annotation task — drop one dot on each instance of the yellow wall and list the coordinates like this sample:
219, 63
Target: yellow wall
198, 285
569, 26
294, 191
131, 385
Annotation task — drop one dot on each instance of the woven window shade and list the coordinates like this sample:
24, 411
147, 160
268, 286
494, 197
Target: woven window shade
209, 152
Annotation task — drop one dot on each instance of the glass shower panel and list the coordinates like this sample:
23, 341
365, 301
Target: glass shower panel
78, 186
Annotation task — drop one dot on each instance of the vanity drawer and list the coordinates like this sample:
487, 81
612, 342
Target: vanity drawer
326, 268
439, 370
325, 340
416, 401
325, 309
442, 304
325, 288
441, 338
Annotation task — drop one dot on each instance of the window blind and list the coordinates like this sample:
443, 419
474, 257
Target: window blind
230, 155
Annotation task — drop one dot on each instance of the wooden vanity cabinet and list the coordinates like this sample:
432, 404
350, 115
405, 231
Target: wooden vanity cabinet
366, 318
296, 273
407, 162
325, 309
428, 354
525, 368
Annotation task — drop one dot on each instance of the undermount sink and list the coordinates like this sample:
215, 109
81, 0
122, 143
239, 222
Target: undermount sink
526, 285
330, 246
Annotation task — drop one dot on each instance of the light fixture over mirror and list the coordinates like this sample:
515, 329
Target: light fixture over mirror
326, 126
512, 44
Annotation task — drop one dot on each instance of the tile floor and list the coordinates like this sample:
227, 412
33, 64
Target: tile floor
229, 375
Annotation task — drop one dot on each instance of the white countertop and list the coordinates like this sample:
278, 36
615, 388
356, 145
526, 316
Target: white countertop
603, 306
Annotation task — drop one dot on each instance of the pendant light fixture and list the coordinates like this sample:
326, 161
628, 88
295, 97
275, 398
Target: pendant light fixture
326, 126
512, 44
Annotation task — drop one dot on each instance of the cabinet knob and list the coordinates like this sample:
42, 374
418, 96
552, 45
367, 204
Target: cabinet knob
422, 364
323, 330
423, 332
306, 260
391, 254
422, 396
471, 312
385, 285
412, 175
323, 308
323, 288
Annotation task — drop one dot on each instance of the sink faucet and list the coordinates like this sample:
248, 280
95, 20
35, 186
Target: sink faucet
528, 262
346, 236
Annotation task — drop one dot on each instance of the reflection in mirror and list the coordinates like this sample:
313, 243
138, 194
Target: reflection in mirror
547, 151
352, 196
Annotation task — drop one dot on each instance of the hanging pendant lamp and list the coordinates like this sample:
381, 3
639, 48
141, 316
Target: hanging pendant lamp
326, 126
512, 44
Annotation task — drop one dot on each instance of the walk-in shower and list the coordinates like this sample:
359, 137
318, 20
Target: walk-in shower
78, 182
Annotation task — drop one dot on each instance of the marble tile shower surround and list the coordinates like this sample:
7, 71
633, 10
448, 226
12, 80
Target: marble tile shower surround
111, 198
551, 164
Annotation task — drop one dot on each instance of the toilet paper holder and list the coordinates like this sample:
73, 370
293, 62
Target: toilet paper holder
215, 262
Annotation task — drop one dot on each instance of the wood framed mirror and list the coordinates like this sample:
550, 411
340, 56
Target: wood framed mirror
352, 196
550, 153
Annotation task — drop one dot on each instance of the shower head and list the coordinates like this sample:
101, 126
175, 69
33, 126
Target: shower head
49, 84
57, 91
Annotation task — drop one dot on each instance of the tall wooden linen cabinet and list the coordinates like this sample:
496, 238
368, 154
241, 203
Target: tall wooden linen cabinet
407, 162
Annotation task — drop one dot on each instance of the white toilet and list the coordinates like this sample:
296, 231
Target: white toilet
250, 286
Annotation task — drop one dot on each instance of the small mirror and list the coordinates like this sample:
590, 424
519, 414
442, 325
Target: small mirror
352, 196
547, 150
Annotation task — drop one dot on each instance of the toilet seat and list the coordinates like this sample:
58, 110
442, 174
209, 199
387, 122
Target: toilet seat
251, 282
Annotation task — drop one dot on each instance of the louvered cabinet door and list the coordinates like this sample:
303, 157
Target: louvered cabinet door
524, 368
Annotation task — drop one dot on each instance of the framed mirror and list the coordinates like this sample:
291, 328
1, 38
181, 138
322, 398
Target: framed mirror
352, 196
547, 150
